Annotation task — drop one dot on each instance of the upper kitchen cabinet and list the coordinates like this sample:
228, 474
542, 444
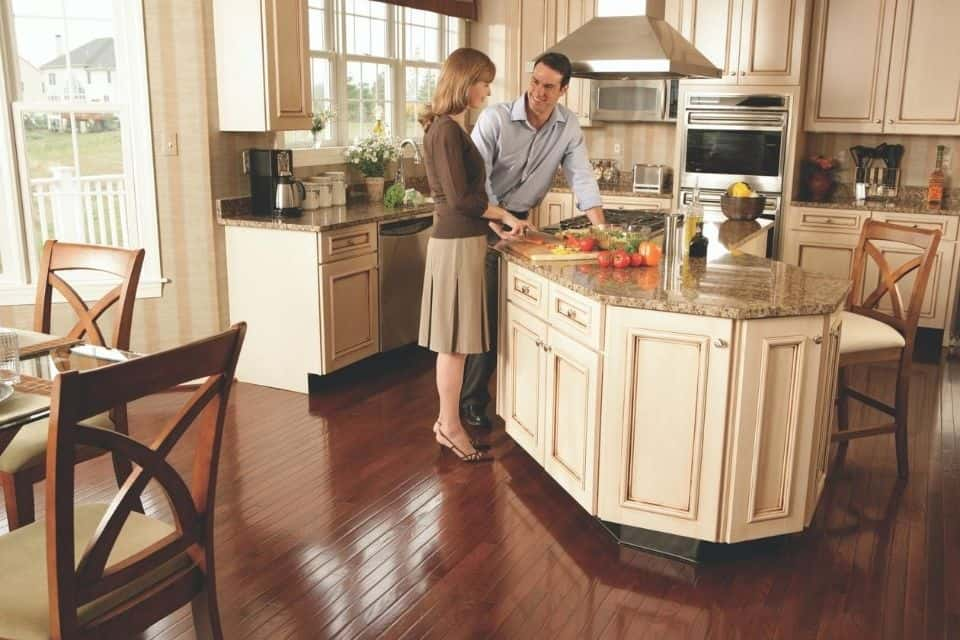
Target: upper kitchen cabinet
880, 66
924, 92
753, 42
572, 14
263, 64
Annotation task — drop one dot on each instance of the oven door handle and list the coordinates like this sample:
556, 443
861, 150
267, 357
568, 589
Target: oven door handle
777, 120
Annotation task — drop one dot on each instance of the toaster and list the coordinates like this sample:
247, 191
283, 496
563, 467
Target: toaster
652, 178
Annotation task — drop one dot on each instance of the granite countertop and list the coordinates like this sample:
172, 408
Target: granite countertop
726, 284
911, 200
236, 212
625, 191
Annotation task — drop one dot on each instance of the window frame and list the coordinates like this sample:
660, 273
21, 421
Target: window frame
20, 263
335, 36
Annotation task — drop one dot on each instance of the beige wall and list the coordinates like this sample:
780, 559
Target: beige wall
646, 142
919, 157
183, 101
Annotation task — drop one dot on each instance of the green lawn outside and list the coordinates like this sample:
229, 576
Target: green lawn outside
100, 152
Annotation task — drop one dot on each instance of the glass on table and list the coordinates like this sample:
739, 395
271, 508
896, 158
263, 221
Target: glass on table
9, 357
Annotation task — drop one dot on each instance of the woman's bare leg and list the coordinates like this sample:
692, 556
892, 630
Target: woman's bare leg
449, 381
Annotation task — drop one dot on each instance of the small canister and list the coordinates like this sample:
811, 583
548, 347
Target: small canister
324, 186
338, 188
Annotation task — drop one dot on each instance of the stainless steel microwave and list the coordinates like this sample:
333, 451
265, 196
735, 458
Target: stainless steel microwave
634, 100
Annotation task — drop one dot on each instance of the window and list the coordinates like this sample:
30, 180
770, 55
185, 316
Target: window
385, 66
83, 169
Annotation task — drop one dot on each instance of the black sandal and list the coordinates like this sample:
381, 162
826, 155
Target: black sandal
476, 456
479, 446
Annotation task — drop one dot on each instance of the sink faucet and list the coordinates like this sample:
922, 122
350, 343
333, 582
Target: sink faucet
417, 158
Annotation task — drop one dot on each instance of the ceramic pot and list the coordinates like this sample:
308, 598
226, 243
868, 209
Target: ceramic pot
374, 189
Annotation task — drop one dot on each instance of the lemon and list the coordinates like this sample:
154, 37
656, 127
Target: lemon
740, 190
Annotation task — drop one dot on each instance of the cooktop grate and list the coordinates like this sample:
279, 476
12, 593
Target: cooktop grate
624, 217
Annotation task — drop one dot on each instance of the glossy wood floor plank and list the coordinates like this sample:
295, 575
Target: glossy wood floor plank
337, 517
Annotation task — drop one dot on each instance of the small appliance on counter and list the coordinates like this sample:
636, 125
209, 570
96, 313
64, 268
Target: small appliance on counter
652, 178
876, 182
273, 191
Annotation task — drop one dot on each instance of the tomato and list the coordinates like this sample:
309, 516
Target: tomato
636, 260
621, 260
651, 253
571, 242
587, 244
605, 259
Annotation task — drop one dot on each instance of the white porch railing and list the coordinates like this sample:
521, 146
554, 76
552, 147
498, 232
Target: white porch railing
88, 209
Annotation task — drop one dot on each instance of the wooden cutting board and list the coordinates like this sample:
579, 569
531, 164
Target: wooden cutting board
541, 253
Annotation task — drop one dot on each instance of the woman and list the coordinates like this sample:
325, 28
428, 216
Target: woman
453, 315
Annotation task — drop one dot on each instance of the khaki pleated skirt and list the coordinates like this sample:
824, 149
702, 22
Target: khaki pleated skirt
453, 311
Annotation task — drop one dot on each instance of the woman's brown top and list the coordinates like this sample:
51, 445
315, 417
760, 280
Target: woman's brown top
457, 178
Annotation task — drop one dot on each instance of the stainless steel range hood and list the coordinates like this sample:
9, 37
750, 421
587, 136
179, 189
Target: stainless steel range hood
630, 40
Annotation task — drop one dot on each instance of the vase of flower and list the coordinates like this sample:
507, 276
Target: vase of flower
819, 180
370, 155
321, 121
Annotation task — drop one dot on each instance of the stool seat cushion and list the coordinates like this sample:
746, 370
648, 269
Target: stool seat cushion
860, 333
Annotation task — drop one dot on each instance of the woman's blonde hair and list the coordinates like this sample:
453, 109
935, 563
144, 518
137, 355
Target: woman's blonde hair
460, 71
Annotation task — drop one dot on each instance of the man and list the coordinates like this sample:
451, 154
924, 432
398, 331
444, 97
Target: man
522, 144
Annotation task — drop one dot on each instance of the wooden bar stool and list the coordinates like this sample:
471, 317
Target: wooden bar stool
870, 335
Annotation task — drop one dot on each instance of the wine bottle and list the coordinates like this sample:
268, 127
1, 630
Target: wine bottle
936, 181
698, 244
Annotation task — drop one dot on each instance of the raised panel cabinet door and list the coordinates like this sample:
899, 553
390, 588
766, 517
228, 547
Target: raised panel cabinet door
924, 92
662, 436
774, 392
937, 298
677, 14
849, 61
714, 29
826, 410
771, 41
350, 311
289, 92
578, 13
572, 417
524, 382
554, 207
537, 32
820, 252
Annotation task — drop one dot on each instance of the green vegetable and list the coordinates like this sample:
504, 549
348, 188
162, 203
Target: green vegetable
394, 196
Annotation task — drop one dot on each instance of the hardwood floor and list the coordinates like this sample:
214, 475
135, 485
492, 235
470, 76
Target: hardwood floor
336, 517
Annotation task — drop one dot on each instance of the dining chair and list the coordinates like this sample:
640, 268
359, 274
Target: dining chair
105, 570
870, 335
21, 463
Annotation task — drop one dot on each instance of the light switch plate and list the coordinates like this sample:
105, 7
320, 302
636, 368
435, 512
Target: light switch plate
170, 145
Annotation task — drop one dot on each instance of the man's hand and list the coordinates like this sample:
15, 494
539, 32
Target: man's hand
518, 226
596, 215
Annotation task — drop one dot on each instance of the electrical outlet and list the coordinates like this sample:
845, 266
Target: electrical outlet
171, 145
617, 148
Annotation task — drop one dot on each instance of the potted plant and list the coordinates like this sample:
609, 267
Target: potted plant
321, 119
818, 178
371, 155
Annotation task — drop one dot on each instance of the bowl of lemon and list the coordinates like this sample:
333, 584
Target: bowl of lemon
741, 202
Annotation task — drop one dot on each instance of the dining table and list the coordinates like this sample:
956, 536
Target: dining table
41, 361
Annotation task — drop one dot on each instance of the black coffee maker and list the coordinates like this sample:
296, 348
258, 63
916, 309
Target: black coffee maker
266, 167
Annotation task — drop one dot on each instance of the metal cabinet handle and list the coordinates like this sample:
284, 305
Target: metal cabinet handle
525, 290
570, 313
743, 73
878, 121
720, 343
732, 73
818, 340
890, 121
539, 343
547, 348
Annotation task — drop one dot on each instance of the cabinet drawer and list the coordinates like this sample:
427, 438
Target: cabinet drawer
527, 290
836, 220
946, 224
575, 315
635, 202
351, 241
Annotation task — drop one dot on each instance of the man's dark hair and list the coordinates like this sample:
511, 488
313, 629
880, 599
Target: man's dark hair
559, 63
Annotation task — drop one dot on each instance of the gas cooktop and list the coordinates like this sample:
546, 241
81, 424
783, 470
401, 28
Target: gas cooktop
623, 217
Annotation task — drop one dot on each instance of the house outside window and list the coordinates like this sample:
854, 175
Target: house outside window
79, 164
374, 61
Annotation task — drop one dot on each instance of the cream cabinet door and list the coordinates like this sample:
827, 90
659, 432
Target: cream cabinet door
820, 252
524, 384
572, 417
554, 207
924, 92
823, 427
849, 62
349, 311
939, 296
772, 41
537, 31
288, 78
772, 425
578, 12
713, 26
662, 436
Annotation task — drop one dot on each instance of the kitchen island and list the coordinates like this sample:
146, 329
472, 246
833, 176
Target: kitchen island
676, 407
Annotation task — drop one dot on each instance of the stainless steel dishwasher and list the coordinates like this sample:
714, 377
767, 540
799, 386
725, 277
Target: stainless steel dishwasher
403, 256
